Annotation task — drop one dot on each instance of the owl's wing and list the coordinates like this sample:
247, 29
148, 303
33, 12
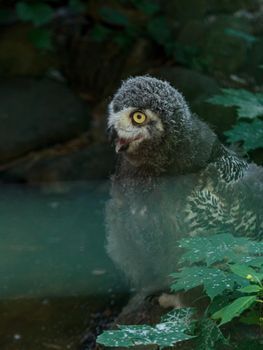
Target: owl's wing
228, 198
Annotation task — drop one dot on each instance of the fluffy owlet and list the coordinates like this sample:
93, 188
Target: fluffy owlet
173, 178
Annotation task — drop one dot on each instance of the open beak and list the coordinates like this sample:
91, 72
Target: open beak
122, 144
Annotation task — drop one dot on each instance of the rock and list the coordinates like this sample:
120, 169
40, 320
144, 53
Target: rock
96, 162
37, 113
19, 57
197, 88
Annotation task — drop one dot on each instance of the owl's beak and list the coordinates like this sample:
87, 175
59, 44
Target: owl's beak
122, 145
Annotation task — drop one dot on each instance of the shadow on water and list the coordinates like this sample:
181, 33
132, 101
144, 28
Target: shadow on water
58, 288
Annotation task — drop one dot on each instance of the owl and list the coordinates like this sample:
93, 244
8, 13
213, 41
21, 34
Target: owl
173, 179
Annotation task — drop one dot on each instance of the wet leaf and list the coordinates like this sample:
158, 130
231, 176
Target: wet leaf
215, 281
256, 261
249, 104
246, 272
147, 7
250, 289
250, 39
227, 313
209, 336
250, 134
38, 13
220, 247
113, 16
170, 331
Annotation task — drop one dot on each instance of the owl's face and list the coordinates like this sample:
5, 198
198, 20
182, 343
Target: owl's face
146, 115
135, 128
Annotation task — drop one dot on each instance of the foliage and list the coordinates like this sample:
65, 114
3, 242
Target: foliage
230, 270
228, 264
149, 23
251, 134
234, 309
38, 13
248, 38
41, 38
249, 106
173, 328
41, 14
123, 22
209, 335
112, 16
110, 22
221, 248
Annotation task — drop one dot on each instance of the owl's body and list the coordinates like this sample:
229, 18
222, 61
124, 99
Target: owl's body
173, 179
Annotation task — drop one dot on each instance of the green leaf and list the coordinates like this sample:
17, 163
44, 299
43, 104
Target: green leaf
170, 331
252, 260
38, 13
250, 105
249, 345
24, 11
220, 247
147, 7
250, 39
41, 38
209, 335
99, 33
220, 301
251, 317
250, 134
161, 33
181, 316
246, 272
113, 16
253, 288
227, 313
77, 5
122, 40
215, 281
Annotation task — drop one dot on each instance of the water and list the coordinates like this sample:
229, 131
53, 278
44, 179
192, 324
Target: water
55, 275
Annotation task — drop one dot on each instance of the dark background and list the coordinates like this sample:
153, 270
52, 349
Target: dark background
61, 61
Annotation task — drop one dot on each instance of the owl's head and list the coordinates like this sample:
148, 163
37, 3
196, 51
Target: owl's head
148, 118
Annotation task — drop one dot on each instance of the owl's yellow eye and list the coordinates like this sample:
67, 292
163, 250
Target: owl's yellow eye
138, 117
